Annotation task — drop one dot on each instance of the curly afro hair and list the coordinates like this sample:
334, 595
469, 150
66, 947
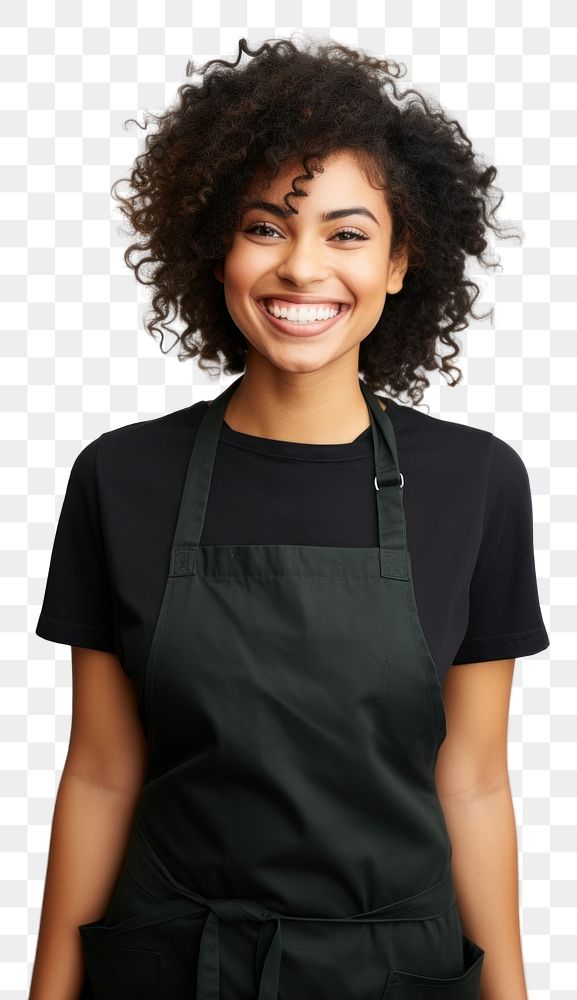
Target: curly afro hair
325, 97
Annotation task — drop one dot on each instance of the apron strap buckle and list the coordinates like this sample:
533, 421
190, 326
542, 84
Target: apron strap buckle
392, 478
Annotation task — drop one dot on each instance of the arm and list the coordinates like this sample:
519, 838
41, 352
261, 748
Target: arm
473, 784
100, 784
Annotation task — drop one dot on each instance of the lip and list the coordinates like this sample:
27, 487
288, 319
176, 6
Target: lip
304, 329
302, 299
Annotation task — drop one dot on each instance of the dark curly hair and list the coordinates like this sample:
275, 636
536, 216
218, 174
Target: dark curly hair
310, 102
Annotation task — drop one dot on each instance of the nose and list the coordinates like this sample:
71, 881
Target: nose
303, 262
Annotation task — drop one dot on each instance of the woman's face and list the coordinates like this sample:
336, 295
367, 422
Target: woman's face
291, 260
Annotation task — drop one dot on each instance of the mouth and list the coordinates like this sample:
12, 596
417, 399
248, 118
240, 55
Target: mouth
308, 325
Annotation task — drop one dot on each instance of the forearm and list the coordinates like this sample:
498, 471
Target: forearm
485, 871
88, 841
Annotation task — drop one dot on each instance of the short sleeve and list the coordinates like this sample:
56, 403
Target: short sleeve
77, 606
505, 619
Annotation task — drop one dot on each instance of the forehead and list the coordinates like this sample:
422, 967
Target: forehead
342, 172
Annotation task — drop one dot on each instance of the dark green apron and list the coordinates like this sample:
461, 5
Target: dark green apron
289, 842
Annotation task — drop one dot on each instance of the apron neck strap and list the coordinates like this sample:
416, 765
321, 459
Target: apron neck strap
388, 485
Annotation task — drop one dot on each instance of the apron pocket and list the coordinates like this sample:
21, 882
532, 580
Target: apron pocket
403, 985
149, 953
117, 971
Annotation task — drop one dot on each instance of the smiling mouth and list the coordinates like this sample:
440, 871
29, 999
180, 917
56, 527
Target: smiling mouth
305, 326
302, 312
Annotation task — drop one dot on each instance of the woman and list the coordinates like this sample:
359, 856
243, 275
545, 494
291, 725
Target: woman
294, 611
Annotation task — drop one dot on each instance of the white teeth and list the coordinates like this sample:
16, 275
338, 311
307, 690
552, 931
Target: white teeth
303, 314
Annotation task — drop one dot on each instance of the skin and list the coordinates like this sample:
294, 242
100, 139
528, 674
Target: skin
308, 392
306, 389
473, 784
101, 780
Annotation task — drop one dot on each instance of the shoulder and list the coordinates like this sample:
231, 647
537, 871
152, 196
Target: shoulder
435, 430
131, 440
155, 428
461, 454
142, 445
414, 420
443, 440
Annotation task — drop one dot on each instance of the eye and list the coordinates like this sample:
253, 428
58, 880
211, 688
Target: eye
260, 225
356, 233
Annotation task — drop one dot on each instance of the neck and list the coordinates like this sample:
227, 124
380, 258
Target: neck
304, 409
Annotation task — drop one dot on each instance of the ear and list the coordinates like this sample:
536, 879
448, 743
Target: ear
397, 270
218, 271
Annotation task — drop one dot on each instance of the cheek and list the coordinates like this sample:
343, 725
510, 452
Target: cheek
372, 277
366, 275
243, 264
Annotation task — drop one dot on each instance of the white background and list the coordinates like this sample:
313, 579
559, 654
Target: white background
76, 360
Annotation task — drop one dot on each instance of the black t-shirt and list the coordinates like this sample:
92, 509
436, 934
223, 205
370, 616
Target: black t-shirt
468, 514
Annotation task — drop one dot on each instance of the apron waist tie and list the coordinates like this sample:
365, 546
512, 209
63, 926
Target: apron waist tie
142, 859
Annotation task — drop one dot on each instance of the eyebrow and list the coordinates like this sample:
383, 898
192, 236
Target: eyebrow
337, 213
